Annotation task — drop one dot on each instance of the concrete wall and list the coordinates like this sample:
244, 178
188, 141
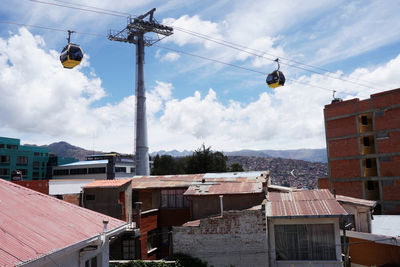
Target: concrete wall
203, 206
108, 201
237, 239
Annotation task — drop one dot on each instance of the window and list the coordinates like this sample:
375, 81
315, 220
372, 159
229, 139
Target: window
366, 141
36, 164
4, 159
120, 169
12, 146
305, 242
36, 154
35, 175
1, 145
364, 120
151, 241
97, 170
22, 160
4, 172
128, 249
61, 172
91, 262
132, 170
173, 198
368, 163
370, 185
78, 171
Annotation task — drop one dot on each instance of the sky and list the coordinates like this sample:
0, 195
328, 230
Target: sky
352, 47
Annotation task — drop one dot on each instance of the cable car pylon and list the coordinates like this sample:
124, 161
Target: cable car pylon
134, 33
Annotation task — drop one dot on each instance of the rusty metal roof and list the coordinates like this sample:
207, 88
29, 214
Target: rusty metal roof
223, 188
306, 203
356, 201
33, 225
107, 183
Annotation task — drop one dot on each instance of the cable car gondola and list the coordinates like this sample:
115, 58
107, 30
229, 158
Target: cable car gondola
72, 55
276, 78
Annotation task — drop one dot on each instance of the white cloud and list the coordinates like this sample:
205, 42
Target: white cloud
44, 102
171, 57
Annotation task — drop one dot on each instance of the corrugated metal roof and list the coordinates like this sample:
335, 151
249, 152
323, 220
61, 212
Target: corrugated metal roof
251, 174
107, 183
67, 186
85, 162
33, 224
307, 203
388, 225
356, 201
223, 188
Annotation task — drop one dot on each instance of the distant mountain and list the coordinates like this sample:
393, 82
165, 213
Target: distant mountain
313, 155
64, 149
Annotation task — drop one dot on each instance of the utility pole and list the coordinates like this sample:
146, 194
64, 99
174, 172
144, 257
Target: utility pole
134, 33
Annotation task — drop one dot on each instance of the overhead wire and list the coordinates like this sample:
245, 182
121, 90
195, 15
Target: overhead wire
185, 53
219, 41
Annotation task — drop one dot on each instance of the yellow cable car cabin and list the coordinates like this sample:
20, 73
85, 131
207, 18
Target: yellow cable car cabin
71, 56
276, 79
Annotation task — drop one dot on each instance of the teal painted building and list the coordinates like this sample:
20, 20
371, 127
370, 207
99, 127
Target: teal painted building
32, 161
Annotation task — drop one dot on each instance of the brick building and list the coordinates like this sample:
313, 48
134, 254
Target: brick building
363, 145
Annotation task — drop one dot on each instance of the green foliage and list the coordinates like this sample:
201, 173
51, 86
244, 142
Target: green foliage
188, 261
236, 167
203, 160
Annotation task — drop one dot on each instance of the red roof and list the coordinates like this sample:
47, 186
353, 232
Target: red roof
33, 224
224, 188
307, 203
107, 183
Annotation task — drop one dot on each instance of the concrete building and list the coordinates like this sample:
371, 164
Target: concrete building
39, 230
30, 161
363, 145
291, 228
99, 167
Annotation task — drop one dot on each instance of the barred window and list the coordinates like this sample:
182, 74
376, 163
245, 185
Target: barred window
174, 198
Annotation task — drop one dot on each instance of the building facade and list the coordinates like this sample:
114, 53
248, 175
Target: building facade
363, 146
29, 161
99, 167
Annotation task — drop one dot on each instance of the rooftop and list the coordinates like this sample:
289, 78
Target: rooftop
356, 201
221, 188
37, 225
107, 183
306, 203
86, 162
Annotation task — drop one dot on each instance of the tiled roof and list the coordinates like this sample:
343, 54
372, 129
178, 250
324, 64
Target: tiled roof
107, 183
306, 203
33, 225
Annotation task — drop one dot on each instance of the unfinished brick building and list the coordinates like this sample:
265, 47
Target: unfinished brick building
363, 144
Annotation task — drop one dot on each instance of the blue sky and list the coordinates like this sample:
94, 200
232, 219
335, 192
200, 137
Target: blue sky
190, 100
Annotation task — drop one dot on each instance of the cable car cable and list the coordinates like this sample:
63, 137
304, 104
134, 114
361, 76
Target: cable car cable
189, 54
228, 44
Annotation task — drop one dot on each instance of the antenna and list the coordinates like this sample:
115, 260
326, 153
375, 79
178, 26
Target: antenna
336, 99
134, 33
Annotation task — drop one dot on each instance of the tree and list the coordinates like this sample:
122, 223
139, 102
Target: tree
166, 165
204, 160
236, 167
